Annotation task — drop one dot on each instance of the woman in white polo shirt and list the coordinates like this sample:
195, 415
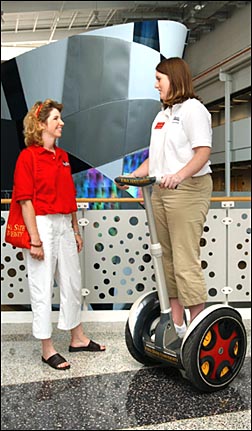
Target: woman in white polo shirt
180, 147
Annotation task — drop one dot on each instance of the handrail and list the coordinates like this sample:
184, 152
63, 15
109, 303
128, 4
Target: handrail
123, 200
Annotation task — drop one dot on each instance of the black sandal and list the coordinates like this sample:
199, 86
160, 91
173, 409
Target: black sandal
91, 347
55, 360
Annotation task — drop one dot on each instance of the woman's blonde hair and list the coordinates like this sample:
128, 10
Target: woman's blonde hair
181, 84
38, 114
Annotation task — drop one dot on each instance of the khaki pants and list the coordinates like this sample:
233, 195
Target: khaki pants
180, 215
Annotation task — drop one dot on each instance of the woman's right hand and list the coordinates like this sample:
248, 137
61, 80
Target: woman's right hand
37, 252
141, 171
125, 186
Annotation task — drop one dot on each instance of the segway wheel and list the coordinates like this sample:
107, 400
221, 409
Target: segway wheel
143, 330
215, 351
136, 354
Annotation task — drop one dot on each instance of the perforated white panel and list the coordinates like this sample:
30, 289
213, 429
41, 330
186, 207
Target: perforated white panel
117, 256
116, 262
239, 256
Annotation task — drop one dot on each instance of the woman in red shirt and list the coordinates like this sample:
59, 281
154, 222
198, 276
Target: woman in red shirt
45, 190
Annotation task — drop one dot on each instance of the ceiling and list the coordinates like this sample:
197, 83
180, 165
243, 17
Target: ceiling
30, 24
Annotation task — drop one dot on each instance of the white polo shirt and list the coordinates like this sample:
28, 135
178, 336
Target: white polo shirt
175, 132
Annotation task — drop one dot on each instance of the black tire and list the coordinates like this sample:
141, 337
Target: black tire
215, 351
142, 331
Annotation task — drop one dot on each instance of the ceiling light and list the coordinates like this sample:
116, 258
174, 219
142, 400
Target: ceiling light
223, 106
240, 100
192, 19
199, 6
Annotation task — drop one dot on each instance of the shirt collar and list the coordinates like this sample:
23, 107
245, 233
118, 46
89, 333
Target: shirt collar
169, 112
40, 149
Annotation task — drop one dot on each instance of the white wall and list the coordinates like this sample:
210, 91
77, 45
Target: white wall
227, 39
240, 148
225, 49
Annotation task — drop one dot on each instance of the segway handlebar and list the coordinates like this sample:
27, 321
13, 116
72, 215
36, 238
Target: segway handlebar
136, 181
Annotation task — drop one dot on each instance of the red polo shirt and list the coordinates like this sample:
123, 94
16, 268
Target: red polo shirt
52, 180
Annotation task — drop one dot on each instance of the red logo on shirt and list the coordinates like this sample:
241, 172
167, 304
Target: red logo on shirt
159, 125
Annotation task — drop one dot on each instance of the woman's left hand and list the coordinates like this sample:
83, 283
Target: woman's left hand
170, 181
79, 242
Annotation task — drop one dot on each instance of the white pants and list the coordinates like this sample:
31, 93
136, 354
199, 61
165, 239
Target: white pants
61, 264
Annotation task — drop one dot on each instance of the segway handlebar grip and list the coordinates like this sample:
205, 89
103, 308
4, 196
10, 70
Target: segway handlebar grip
136, 181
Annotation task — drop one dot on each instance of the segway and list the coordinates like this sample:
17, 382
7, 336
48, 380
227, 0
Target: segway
213, 350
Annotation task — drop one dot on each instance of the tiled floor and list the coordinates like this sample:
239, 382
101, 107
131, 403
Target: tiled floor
109, 391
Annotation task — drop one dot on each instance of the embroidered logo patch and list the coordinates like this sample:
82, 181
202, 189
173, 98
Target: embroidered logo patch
66, 163
159, 125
